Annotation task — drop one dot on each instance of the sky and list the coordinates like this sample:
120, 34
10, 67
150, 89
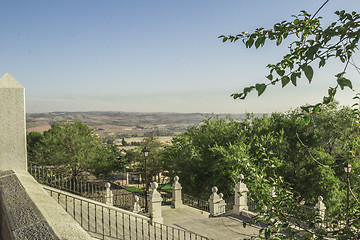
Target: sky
154, 55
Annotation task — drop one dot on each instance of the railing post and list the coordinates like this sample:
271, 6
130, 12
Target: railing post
222, 204
176, 193
321, 208
241, 194
136, 207
109, 197
215, 202
155, 204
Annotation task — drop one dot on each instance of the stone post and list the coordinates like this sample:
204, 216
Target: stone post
176, 193
215, 201
155, 204
320, 206
222, 204
12, 125
136, 207
109, 197
241, 194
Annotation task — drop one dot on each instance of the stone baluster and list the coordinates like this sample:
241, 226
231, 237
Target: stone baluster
241, 195
109, 196
320, 206
214, 202
222, 204
155, 204
176, 193
136, 207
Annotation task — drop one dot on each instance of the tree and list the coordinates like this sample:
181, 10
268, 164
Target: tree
303, 161
154, 162
72, 147
313, 44
208, 155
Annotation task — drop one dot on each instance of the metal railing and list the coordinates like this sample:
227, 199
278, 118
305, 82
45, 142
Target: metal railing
95, 191
195, 202
46, 175
104, 221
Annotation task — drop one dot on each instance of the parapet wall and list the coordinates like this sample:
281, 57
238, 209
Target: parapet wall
28, 212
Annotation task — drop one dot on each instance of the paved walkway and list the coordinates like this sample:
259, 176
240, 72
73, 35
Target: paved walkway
194, 220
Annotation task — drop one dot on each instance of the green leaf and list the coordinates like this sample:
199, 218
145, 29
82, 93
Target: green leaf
322, 62
249, 43
270, 77
326, 100
293, 78
309, 72
225, 39
307, 120
260, 88
280, 72
285, 80
257, 43
344, 82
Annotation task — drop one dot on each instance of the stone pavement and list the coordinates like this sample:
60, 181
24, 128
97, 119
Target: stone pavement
197, 221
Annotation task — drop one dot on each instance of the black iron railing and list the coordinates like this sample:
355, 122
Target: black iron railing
95, 191
195, 202
46, 175
104, 221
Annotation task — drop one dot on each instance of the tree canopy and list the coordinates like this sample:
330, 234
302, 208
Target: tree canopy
74, 148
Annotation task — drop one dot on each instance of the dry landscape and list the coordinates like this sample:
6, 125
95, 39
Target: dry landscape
132, 127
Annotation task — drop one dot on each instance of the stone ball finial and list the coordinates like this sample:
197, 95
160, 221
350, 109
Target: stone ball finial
154, 185
221, 195
107, 185
214, 189
241, 176
136, 198
320, 198
176, 178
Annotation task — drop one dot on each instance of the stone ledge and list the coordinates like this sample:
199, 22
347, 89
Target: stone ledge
28, 212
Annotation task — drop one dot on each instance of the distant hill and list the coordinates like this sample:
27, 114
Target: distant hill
124, 123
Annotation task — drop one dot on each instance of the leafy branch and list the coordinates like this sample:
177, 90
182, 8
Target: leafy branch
314, 43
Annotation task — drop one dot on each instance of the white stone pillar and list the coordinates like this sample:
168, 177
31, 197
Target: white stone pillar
176, 193
321, 208
109, 197
136, 207
12, 125
241, 194
155, 204
214, 202
222, 204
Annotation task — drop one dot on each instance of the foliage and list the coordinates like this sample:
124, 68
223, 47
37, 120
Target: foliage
134, 189
304, 161
73, 148
154, 162
313, 44
308, 155
207, 156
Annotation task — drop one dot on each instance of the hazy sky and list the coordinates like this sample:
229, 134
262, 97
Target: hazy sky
152, 55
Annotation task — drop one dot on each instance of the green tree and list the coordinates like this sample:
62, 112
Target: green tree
73, 148
313, 44
206, 156
304, 161
154, 162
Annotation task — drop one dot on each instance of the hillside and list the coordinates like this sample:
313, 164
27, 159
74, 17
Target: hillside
123, 124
